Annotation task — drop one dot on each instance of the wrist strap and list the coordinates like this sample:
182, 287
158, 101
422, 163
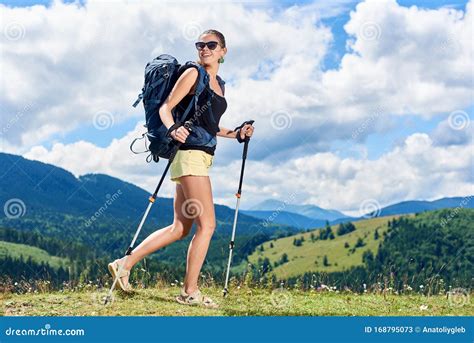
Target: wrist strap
239, 139
172, 128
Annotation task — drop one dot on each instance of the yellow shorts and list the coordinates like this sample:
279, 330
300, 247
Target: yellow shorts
190, 162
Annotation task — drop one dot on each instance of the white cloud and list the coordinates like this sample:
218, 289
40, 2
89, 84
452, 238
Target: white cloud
72, 62
116, 160
418, 169
456, 130
401, 61
407, 57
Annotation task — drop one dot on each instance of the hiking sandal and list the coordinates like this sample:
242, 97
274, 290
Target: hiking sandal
114, 269
195, 298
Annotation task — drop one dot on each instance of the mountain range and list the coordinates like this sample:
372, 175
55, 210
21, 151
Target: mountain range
45, 187
52, 211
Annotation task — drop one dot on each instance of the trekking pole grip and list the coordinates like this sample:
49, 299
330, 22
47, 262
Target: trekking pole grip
246, 139
189, 126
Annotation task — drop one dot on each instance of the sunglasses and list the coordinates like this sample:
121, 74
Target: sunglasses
211, 45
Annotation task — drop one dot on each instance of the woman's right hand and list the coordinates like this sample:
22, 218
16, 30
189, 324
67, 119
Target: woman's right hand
180, 134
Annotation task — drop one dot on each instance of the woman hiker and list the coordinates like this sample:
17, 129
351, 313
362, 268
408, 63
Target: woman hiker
189, 170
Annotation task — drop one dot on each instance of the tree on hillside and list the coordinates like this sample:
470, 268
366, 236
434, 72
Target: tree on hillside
368, 257
345, 228
298, 241
360, 243
266, 265
326, 233
325, 261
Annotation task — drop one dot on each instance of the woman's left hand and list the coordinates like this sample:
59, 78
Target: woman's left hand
246, 130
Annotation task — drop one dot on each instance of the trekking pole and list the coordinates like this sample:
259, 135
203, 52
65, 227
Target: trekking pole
151, 200
238, 194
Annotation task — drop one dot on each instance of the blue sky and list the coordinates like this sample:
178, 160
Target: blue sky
332, 117
377, 143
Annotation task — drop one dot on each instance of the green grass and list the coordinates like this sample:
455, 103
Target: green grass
240, 302
38, 255
309, 256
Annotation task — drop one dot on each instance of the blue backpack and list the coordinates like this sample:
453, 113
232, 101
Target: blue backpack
161, 75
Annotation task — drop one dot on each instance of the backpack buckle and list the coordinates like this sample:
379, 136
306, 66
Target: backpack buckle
140, 97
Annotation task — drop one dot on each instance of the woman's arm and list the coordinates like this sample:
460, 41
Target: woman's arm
227, 133
246, 130
182, 87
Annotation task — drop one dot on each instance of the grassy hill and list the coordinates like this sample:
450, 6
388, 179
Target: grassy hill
95, 217
309, 256
242, 301
16, 251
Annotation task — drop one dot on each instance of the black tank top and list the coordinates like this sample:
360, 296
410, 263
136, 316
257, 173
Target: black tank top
218, 105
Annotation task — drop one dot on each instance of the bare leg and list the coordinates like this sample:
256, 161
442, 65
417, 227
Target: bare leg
160, 238
198, 192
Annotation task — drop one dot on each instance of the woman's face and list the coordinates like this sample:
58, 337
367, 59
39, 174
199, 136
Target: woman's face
208, 56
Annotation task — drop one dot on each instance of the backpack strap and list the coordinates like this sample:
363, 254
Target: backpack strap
202, 85
202, 82
221, 83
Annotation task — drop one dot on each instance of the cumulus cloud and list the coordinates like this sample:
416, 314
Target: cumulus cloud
400, 61
72, 62
116, 160
68, 64
417, 169
456, 130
